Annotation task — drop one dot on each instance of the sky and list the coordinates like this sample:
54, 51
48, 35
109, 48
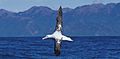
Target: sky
21, 5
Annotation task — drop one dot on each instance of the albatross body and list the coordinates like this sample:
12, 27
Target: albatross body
57, 35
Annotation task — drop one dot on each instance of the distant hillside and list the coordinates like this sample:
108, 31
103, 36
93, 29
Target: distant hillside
87, 20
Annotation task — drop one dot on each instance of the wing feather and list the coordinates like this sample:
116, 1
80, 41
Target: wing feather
59, 20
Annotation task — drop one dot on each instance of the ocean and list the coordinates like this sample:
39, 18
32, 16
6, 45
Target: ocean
86, 47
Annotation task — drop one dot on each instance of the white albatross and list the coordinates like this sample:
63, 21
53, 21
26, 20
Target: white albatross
57, 35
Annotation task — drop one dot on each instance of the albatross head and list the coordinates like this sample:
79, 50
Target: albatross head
47, 36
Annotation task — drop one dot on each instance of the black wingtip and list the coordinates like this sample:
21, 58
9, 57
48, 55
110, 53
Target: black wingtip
60, 11
60, 7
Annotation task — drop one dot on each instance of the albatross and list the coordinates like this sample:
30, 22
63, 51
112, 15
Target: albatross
57, 35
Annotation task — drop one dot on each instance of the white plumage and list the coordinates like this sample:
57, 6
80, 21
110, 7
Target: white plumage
58, 37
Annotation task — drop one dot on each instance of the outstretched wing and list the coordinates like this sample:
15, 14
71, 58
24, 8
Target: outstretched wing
57, 48
59, 20
66, 38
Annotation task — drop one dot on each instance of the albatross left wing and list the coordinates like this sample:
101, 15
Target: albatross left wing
59, 20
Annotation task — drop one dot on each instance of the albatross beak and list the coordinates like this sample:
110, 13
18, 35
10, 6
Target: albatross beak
44, 38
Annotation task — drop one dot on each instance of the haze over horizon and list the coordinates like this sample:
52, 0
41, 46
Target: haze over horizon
21, 5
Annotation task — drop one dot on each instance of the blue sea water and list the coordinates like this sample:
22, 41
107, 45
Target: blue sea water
104, 47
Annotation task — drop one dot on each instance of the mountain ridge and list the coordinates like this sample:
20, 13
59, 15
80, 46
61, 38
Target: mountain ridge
87, 20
